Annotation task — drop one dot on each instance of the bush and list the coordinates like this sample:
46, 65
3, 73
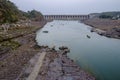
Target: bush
12, 44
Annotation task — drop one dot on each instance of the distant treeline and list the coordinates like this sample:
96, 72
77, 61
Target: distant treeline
33, 15
111, 15
9, 13
108, 15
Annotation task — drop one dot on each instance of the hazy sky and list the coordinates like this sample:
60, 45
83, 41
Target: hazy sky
68, 6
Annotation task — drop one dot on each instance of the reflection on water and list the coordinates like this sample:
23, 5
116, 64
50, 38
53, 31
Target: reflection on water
97, 54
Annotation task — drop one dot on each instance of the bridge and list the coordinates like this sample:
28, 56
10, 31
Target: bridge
66, 17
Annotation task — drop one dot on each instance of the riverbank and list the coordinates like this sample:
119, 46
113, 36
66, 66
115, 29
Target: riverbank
105, 27
14, 58
56, 66
16, 61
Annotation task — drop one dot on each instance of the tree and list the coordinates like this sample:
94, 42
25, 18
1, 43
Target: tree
36, 15
105, 16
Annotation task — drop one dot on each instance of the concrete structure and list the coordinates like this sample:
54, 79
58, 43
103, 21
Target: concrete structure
66, 17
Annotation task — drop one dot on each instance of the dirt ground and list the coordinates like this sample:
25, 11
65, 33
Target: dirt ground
13, 58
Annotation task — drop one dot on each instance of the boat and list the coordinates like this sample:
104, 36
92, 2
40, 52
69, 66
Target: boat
88, 36
45, 31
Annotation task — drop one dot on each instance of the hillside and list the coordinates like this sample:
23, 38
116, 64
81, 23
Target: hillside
9, 13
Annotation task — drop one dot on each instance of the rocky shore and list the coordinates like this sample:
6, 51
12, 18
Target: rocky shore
56, 66
17, 63
105, 27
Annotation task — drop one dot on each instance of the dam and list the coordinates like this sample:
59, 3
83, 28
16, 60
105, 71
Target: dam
66, 17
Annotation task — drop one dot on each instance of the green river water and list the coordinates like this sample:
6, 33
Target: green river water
98, 55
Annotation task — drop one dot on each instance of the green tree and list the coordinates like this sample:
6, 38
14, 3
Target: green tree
36, 15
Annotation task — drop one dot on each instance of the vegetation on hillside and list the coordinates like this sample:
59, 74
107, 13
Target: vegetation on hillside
35, 15
9, 13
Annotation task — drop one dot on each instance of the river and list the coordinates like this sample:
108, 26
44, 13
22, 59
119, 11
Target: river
97, 54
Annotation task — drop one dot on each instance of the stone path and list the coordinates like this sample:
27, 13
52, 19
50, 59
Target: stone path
37, 67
